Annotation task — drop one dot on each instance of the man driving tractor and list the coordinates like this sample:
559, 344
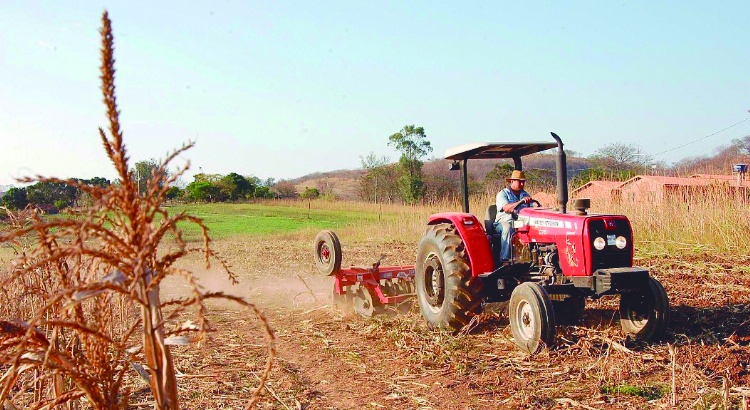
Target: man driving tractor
508, 199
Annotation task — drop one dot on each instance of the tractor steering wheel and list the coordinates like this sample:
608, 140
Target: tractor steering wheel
533, 201
514, 213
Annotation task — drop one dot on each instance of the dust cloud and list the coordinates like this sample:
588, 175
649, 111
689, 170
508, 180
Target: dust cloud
287, 290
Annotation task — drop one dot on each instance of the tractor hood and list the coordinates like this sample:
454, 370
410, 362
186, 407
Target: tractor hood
574, 236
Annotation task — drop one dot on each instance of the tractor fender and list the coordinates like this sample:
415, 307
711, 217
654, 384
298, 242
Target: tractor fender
474, 237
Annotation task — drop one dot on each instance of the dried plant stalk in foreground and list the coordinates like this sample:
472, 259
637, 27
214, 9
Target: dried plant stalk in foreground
75, 303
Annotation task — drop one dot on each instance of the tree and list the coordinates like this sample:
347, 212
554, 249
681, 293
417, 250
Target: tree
48, 193
15, 198
97, 181
620, 157
412, 142
263, 192
174, 192
82, 198
494, 181
310, 193
325, 187
142, 173
379, 179
743, 144
262, 188
236, 187
203, 191
285, 189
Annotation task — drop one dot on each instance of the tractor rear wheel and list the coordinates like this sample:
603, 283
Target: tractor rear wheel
447, 295
532, 318
645, 314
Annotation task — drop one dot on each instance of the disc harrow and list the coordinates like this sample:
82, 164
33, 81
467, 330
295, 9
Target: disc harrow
369, 290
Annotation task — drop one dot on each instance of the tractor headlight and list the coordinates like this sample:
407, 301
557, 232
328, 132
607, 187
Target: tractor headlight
621, 242
599, 243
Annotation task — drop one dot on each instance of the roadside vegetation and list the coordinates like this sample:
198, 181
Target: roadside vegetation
411, 180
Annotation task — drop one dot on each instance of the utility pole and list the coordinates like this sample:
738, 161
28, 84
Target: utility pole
138, 179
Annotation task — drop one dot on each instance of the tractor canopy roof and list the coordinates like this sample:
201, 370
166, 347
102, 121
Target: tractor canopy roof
490, 150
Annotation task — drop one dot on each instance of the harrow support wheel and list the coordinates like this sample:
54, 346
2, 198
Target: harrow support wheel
645, 314
447, 295
327, 252
532, 318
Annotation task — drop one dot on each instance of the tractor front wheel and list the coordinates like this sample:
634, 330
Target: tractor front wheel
532, 318
645, 314
447, 295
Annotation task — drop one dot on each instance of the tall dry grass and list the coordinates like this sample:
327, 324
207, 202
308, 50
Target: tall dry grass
80, 303
714, 221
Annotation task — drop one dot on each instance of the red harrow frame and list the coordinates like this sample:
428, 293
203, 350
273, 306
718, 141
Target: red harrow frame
369, 289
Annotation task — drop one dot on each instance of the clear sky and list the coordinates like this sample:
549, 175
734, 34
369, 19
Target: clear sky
285, 88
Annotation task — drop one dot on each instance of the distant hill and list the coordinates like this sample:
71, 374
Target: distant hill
345, 183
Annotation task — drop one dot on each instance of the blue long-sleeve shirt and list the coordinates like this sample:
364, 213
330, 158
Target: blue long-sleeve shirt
505, 197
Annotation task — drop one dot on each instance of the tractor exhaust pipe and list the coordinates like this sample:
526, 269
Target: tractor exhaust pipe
562, 175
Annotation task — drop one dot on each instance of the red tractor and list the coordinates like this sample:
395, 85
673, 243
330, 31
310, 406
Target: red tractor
558, 260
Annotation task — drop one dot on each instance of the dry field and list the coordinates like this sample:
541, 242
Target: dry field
327, 360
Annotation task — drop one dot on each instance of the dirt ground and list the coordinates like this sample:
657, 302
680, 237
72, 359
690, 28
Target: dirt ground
328, 360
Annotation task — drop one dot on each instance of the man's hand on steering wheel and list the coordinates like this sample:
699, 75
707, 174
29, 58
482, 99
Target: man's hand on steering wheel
527, 200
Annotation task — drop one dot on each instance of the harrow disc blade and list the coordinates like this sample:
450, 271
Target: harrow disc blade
342, 302
406, 288
364, 303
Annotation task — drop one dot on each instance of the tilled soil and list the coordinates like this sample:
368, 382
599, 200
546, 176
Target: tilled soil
329, 360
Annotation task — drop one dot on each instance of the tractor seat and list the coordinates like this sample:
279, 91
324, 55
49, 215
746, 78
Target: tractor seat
493, 235
489, 220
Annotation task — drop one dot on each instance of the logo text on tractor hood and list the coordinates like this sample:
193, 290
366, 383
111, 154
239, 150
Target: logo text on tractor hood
549, 223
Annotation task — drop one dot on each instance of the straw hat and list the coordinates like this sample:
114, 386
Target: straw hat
516, 175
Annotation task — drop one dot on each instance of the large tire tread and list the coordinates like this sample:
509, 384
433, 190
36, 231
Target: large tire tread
655, 326
466, 300
540, 312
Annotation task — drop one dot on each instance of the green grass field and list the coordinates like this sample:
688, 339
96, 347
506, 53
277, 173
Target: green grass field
229, 220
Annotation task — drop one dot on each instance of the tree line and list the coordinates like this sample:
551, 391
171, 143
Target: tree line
410, 180
53, 197
50, 196
404, 181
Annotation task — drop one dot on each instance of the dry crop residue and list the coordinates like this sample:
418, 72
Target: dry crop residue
331, 361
